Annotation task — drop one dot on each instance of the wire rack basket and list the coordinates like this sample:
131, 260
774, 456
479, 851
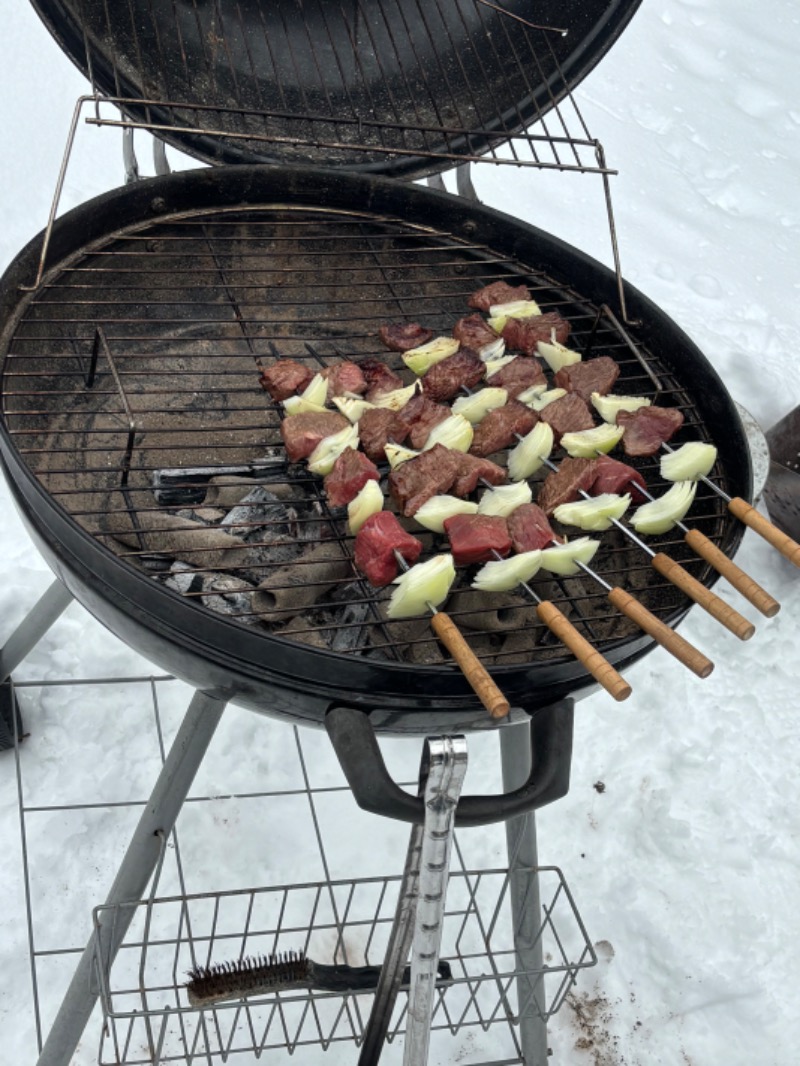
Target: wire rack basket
149, 1020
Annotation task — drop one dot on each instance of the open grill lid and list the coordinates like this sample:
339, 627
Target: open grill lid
403, 88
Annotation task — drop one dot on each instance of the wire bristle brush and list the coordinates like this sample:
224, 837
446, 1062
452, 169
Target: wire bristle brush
263, 975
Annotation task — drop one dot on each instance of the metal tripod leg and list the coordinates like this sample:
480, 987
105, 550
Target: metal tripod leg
33, 627
159, 816
526, 909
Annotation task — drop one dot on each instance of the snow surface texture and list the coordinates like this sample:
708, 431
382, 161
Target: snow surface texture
685, 867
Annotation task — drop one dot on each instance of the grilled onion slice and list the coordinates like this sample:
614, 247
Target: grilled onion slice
397, 454
479, 404
397, 398
330, 448
689, 462
609, 406
504, 499
352, 407
593, 515
493, 365
557, 355
423, 584
502, 575
541, 401
564, 559
312, 398
499, 314
662, 514
588, 442
421, 359
434, 513
531, 452
368, 502
454, 432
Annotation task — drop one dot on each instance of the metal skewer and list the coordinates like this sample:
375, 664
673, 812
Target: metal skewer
746, 513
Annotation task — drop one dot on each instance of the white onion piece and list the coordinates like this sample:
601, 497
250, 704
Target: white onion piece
397, 454
492, 350
368, 502
499, 314
564, 559
609, 406
330, 448
421, 359
352, 407
479, 404
316, 391
543, 399
531, 452
556, 355
504, 499
434, 513
588, 442
493, 365
533, 392
423, 584
662, 514
593, 515
297, 405
689, 462
397, 398
454, 432
502, 575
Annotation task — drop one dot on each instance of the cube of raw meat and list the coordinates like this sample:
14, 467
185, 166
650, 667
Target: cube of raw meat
285, 378
419, 416
414, 482
523, 334
474, 332
518, 375
351, 471
471, 470
529, 528
464, 369
648, 428
595, 375
344, 377
379, 378
569, 414
501, 427
302, 433
377, 541
376, 428
564, 485
499, 292
402, 337
613, 476
475, 538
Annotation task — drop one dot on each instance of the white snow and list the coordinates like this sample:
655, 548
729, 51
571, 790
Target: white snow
686, 867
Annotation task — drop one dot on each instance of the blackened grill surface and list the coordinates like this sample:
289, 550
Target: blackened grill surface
189, 306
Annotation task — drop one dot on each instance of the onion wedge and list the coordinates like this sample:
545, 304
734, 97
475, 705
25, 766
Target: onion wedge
434, 513
531, 452
662, 514
421, 359
593, 515
397, 454
368, 502
499, 314
423, 584
533, 392
544, 398
352, 408
493, 365
397, 398
502, 575
689, 462
492, 350
312, 398
564, 559
504, 499
479, 404
330, 448
609, 406
454, 432
556, 355
588, 442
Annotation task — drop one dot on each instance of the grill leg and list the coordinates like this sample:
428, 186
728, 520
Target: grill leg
136, 869
33, 627
526, 908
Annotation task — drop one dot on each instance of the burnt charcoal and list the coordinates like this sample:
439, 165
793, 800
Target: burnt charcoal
291, 590
206, 547
230, 595
490, 612
184, 579
184, 487
257, 510
209, 516
349, 635
229, 490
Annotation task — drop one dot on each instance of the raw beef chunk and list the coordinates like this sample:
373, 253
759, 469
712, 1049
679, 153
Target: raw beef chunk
564, 484
302, 433
648, 428
414, 482
475, 538
471, 470
377, 541
351, 471
529, 528
569, 414
613, 476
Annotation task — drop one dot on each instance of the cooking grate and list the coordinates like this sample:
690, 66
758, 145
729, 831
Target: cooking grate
140, 356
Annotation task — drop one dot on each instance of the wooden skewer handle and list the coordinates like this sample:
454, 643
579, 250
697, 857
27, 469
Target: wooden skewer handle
717, 608
599, 667
673, 642
741, 581
756, 521
482, 684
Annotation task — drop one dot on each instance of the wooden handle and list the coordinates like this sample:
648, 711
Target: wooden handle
599, 667
717, 608
666, 637
751, 517
741, 581
482, 685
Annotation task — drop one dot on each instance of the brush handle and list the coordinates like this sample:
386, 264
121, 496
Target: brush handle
757, 522
741, 581
360, 978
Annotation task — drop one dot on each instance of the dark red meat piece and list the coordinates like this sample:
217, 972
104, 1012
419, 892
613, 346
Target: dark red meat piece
474, 538
464, 369
564, 484
648, 428
351, 471
344, 377
595, 375
613, 476
379, 378
419, 416
518, 375
471, 470
377, 541
499, 292
404, 336
376, 428
522, 335
302, 433
500, 428
284, 378
529, 528
414, 482
569, 414
474, 332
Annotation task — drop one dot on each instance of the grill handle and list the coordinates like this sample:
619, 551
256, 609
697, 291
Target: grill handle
356, 747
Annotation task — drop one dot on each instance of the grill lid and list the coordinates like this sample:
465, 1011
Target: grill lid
404, 87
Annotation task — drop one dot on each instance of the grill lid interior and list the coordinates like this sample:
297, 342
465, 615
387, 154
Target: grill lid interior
404, 88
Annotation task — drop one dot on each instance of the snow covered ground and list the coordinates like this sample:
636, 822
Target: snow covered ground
685, 866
